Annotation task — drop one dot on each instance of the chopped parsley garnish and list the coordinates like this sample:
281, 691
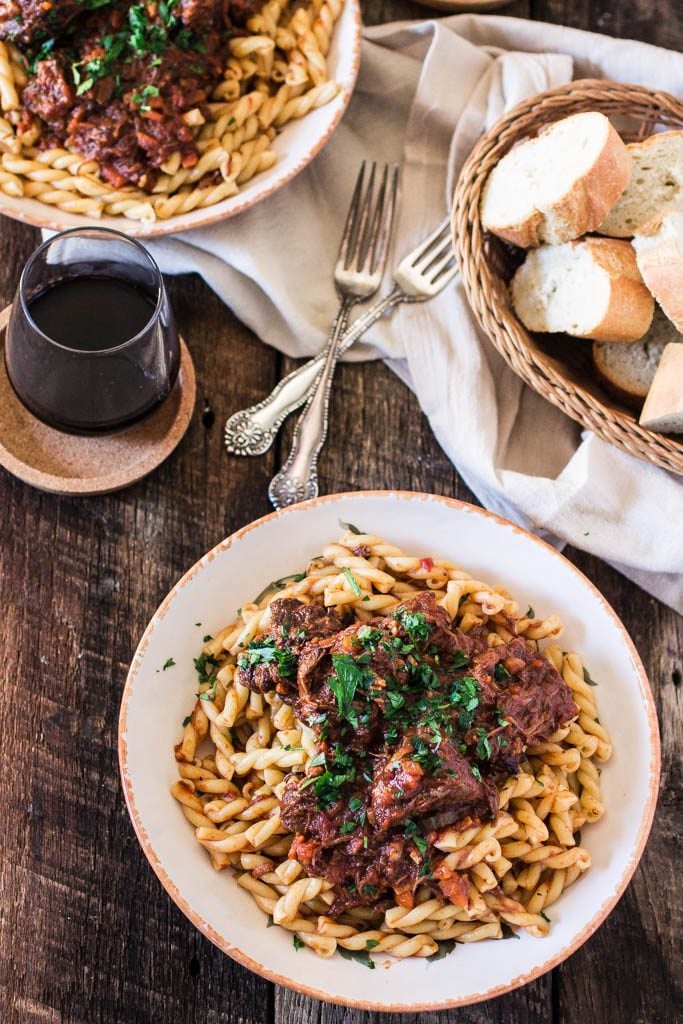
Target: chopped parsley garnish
350, 527
279, 585
297, 943
424, 756
415, 624
484, 749
500, 672
368, 637
396, 700
210, 694
459, 660
353, 582
530, 613
476, 772
339, 768
360, 955
200, 665
264, 652
348, 677
169, 663
371, 943
187, 720
445, 947
587, 677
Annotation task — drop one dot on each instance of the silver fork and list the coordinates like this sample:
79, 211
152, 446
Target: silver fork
357, 275
420, 275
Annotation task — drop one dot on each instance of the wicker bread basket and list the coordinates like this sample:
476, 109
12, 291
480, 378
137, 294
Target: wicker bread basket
557, 366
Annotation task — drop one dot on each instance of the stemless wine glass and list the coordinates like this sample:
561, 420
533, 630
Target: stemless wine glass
91, 343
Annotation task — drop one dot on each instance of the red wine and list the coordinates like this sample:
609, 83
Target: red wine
100, 358
92, 313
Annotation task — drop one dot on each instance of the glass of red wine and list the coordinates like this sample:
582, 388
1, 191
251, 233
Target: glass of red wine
91, 343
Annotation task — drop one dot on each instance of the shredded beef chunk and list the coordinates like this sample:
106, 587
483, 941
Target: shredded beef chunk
270, 662
297, 624
31, 21
416, 724
49, 94
415, 781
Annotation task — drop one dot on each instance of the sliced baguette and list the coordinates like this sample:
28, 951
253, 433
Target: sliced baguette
663, 409
659, 254
590, 289
627, 371
656, 182
559, 185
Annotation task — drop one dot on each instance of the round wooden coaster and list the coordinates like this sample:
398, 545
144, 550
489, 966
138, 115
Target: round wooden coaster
70, 464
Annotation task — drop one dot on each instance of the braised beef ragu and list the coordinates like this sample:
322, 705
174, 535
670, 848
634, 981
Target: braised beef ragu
414, 720
112, 80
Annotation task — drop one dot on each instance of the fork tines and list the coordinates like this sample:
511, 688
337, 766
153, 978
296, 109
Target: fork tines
367, 231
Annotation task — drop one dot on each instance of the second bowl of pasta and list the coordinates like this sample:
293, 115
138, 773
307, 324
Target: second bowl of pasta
399, 747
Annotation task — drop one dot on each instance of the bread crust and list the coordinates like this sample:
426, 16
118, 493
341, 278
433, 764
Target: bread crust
632, 399
661, 267
583, 207
651, 142
664, 400
631, 307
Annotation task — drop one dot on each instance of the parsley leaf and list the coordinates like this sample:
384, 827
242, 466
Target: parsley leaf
353, 582
297, 943
350, 527
587, 677
344, 683
264, 652
362, 956
445, 947
500, 672
415, 624
169, 663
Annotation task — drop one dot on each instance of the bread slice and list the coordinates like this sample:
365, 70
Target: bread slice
590, 289
663, 409
627, 371
559, 185
659, 254
656, 182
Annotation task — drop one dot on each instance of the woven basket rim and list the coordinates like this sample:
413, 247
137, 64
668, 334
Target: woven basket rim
482, 284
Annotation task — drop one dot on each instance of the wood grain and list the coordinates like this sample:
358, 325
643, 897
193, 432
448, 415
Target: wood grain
87, 935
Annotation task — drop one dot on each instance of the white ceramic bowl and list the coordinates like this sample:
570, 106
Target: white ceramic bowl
155, 702
296, 145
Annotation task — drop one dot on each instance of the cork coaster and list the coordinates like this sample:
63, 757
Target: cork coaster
70, 464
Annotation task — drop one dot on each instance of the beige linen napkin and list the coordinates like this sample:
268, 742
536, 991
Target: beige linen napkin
425, 93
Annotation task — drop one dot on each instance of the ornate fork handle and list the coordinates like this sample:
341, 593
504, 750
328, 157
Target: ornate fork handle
252, 431
298, 478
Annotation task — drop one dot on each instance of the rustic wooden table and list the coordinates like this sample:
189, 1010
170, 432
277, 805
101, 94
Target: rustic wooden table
87, 935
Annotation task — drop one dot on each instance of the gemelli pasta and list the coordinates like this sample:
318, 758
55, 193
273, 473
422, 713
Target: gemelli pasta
388, 760
104, 145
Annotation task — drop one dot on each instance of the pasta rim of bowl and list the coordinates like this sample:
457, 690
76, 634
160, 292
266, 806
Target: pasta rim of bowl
368, 1004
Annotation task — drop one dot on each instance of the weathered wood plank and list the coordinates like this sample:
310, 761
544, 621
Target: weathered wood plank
657, 23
